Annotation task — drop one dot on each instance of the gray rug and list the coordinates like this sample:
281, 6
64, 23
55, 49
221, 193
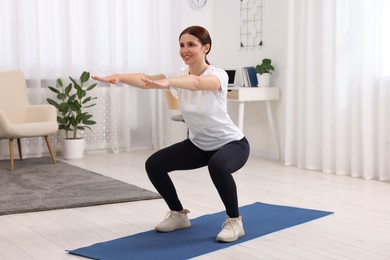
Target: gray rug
38, 185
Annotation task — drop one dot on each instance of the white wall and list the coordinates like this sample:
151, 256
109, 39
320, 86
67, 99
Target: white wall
222, 19
184, 16
226, 53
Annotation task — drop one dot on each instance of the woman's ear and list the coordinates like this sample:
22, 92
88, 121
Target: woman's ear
207, 48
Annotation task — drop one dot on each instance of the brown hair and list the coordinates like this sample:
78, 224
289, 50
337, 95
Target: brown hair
202, 34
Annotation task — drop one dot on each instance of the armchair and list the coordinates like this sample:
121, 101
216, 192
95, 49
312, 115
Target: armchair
19, 119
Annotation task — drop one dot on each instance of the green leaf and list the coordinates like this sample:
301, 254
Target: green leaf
74, 106
52, 102
266, 61
84, 77
83, 127
59, 82
76, 85
54, 90
88, 116
82, 117
72, 98
73, 121
90, 98
89, 122
61, 120
79, 93
63, 107
91, 87
90, 105
84, 114
86, 100
61, 96
68, 89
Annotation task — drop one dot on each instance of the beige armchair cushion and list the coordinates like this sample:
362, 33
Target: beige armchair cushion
37, 121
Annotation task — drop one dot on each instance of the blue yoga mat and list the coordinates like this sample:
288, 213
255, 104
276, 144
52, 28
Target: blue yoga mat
259, 219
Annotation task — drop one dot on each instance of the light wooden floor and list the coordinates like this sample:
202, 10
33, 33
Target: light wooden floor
359, 229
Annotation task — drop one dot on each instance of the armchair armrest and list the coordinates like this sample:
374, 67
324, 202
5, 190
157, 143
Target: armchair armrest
40, 113
4, 125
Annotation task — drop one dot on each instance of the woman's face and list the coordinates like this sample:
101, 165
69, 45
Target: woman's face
191, 49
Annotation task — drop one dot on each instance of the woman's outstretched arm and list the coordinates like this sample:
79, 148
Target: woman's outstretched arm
136, 80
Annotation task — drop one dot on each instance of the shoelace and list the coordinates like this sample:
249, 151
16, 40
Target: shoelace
229, 225
171, 213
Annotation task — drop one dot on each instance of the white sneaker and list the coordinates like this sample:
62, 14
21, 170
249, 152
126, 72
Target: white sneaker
174, 220
232, 229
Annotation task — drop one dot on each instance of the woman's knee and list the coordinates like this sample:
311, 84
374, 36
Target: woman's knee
223, 162
152, 164
218, 167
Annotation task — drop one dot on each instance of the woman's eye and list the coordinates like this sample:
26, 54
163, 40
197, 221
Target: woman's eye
188, 45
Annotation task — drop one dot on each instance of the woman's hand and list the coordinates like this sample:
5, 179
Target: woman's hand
113, 79
162, 83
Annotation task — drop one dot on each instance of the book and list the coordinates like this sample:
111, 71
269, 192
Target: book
245, 82
250, 76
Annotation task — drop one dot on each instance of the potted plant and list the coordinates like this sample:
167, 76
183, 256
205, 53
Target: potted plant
264, 71
72, 103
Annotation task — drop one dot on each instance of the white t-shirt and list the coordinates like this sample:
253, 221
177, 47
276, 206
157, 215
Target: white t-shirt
205, 112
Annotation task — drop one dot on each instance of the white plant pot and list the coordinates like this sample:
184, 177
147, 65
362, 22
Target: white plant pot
264, 79
73, 148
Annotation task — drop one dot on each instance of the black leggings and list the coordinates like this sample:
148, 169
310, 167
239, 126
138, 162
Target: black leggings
186, 156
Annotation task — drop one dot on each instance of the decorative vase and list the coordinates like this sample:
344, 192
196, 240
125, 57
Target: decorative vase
264, 79
73, 148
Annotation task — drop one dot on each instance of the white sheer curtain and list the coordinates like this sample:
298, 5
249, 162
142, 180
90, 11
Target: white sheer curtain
50, 39
338, 93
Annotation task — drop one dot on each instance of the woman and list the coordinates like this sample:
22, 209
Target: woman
214, 140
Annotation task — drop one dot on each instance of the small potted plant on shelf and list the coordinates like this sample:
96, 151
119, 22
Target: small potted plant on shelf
264, 71
72, 103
